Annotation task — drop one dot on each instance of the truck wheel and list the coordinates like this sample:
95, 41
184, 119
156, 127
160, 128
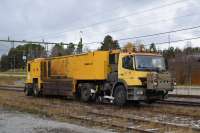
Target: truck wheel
120, 96
85, 93
28, 91
35, 90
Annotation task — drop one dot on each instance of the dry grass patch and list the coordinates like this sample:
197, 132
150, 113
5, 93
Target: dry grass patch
11, 80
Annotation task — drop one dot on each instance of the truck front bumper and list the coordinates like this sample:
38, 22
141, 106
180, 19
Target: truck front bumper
142, 94
136, 94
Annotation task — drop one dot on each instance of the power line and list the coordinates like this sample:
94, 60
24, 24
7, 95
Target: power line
24, 41
136, 13
152, 22
175, 41
146, 24
93, 15
181, 40
161, 33
155, 34
121, 17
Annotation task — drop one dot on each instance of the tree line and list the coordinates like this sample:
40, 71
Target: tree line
17, 57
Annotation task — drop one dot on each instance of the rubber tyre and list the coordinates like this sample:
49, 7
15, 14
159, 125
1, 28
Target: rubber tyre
28, 91
85, 93
120, 96
35, 90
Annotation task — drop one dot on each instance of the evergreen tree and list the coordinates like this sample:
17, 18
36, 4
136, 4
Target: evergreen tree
79, 47
4, 63
58, 50
153, 47
14, 59
109, 44
70, 49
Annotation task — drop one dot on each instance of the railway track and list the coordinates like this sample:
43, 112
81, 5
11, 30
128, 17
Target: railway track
181, 103
128, 122
172, 102
100, 119
114, 121
183, 96
11, 88
146, 124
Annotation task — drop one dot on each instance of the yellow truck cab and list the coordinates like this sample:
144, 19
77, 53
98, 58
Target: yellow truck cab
145, 76
112, 76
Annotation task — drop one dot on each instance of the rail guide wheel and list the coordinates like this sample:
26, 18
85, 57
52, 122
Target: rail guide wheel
85, 93
35, 90
28, 90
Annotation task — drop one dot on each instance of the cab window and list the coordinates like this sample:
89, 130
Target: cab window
113, 58
29, 67
127, 62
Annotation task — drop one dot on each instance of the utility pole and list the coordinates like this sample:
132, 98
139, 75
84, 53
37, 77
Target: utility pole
13, 57
81, 41
189, 45
14, 62
169, 40
46, 49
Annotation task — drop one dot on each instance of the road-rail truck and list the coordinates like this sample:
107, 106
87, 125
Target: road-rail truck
112, 76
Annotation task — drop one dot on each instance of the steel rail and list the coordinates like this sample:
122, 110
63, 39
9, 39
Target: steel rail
178, 102
173, 102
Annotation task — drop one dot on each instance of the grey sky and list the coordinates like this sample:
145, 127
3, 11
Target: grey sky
62, 20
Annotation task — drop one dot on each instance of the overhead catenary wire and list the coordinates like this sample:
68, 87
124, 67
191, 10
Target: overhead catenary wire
152, 22
136, 13
142, 25
156, 43
122, 39
175, 41
93, 15
116, 18
150, 35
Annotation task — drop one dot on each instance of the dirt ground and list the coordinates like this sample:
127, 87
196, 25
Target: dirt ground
63, 109
18, 122
59, 109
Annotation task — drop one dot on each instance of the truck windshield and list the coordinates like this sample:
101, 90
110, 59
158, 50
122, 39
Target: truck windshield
151, 63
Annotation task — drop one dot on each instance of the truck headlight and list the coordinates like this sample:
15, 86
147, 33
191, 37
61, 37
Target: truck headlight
139, 92
155, 82
174, 83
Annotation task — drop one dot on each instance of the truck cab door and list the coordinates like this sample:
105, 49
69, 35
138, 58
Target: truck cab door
127, 69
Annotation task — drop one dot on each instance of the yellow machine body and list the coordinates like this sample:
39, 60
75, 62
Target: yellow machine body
90, 66
34, 71
99, 71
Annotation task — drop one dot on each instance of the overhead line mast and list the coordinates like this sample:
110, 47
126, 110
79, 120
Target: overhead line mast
114, 18
150, 35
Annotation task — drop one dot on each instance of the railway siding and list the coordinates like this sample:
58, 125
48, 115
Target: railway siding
106, 115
